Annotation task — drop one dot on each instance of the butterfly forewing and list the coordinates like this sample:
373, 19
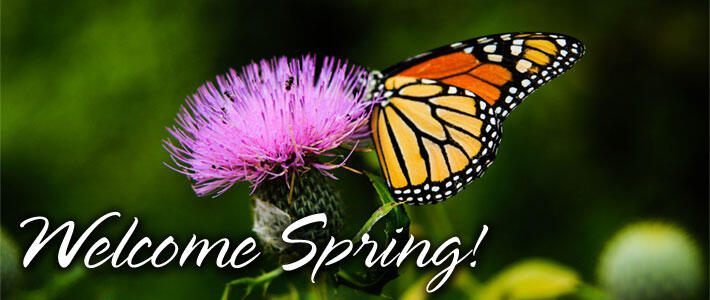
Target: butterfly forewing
440, 125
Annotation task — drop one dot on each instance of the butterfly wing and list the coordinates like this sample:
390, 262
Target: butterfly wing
440, 125
433, 138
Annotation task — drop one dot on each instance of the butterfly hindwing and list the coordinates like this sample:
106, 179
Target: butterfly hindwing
439, 125
432, 139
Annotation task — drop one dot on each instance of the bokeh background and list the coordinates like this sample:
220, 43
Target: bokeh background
89, 86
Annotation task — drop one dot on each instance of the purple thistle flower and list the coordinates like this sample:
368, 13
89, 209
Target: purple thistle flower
274, 118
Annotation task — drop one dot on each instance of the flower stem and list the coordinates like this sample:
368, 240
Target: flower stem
376, 216
250, 282
321, 290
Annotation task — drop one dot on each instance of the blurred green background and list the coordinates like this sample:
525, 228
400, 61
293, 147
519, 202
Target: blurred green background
89, 86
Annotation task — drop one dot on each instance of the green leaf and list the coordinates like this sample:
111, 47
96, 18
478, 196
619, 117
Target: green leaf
398, 218
532, 279
374, 279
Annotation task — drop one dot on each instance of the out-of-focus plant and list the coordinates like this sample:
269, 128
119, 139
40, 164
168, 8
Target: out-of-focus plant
531, 279
9, 263
56, 287
651, 260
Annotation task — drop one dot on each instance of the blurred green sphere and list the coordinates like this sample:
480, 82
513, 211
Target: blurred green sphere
651, 260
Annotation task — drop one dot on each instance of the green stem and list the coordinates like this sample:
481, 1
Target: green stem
321, 289
60, 282
250, 282
376, 216
395, 217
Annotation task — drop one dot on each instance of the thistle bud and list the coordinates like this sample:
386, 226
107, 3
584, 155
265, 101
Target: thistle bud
277, 205
651, 260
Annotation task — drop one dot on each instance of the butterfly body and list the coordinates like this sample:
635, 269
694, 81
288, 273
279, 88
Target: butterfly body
439, 123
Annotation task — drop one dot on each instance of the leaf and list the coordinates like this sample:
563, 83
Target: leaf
374, 279
376, 216
398, 218
532, 279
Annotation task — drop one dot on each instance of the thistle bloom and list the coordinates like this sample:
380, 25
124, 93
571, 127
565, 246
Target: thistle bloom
275, 117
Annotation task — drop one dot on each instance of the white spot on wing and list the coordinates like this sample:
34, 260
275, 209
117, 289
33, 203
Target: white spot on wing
484, 40
523, 65
515, 50
495, 57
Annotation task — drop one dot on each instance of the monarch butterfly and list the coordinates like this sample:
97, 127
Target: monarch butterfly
440, 122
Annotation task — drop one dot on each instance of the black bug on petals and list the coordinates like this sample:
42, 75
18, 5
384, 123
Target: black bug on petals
289, 83
229, 95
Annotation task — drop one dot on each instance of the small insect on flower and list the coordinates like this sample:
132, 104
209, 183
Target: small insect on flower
229, 95
289, 83
251, 127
